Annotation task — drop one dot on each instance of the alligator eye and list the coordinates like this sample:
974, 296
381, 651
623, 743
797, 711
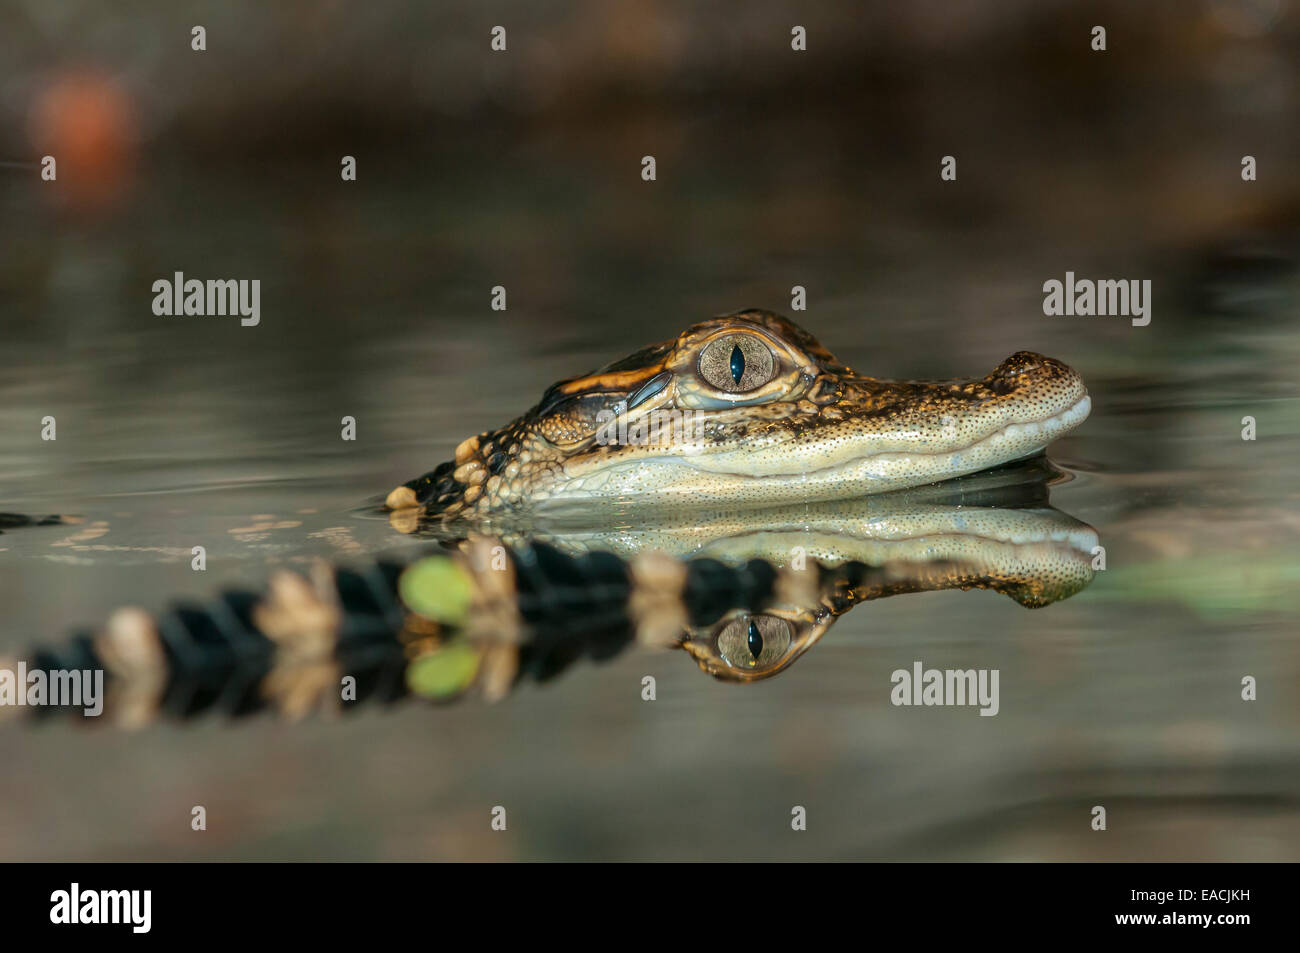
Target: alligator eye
754, 642
737, 363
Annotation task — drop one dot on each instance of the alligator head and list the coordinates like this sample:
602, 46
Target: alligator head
746, 409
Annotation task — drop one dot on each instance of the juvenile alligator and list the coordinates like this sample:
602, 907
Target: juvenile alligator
723, 454
744, 409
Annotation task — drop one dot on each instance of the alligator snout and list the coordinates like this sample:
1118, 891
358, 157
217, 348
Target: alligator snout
1044, 383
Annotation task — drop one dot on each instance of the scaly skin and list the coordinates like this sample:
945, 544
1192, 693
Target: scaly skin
811, 430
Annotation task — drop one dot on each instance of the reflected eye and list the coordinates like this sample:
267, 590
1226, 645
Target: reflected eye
737, 363
754, 642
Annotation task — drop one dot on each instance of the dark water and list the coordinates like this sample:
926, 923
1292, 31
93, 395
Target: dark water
176, 432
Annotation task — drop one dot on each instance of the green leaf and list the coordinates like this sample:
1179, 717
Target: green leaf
437, 588
444, 673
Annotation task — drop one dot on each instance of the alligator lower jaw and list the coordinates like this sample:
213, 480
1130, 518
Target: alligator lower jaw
687, 481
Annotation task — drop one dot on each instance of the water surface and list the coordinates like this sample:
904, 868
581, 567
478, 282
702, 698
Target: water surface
176, 432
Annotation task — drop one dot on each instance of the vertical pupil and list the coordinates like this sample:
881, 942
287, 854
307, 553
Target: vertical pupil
737, 364
755, 640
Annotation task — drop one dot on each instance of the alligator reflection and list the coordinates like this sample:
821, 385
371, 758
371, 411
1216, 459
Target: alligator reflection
743, 592
746, 593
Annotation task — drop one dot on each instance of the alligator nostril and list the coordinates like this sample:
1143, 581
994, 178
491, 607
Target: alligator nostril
1022, 362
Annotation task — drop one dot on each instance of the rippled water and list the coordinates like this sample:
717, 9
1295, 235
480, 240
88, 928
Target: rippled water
175, 432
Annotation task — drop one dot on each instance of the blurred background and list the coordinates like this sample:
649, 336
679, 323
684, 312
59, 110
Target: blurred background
775, 168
